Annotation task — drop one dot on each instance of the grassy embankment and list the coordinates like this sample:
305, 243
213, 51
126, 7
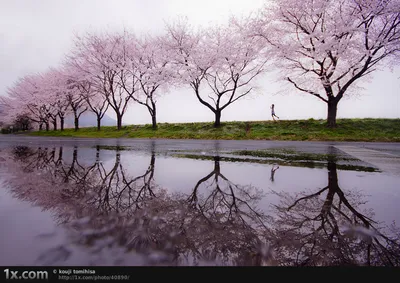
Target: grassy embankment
384, 130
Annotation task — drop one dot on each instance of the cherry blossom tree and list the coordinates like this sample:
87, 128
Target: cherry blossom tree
95, 101
151, 71
19, 120
25, 96
188, 51
325, 47
46, 92
46, 101
239, 61
75, 93
54, 89
220, 64
89, 86
23, 122
7, 111
103, 59
61, 105
75, 100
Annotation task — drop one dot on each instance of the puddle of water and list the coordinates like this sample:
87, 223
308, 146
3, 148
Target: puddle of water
99, 206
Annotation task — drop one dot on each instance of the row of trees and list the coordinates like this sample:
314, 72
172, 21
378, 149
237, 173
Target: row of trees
323, 48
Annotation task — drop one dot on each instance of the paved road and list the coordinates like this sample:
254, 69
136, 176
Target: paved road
219, 145
387, 162
385, 156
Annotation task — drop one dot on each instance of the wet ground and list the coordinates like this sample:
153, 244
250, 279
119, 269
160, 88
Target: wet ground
174, 202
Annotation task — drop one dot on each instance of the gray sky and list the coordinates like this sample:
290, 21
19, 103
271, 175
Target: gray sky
36, 34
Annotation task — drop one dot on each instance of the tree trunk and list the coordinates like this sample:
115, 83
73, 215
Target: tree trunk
154, 121
55, 124
119, 122
98, 123
217, 122
76, 123
62, 123
40, 126
332, 112
153, 113
47, 126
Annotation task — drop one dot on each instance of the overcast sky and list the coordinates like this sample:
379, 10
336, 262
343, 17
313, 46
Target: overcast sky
36, 34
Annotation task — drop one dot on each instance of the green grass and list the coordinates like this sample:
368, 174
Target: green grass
315, 162
382, 130
112, 148
289, 155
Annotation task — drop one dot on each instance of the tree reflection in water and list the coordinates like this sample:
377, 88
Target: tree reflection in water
326, 228
218, 223
225, 224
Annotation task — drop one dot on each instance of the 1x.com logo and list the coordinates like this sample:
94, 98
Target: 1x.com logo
26, 275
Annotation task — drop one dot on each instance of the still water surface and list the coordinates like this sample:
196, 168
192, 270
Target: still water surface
69, 205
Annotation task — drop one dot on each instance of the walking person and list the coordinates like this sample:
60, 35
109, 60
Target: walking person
273, 112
